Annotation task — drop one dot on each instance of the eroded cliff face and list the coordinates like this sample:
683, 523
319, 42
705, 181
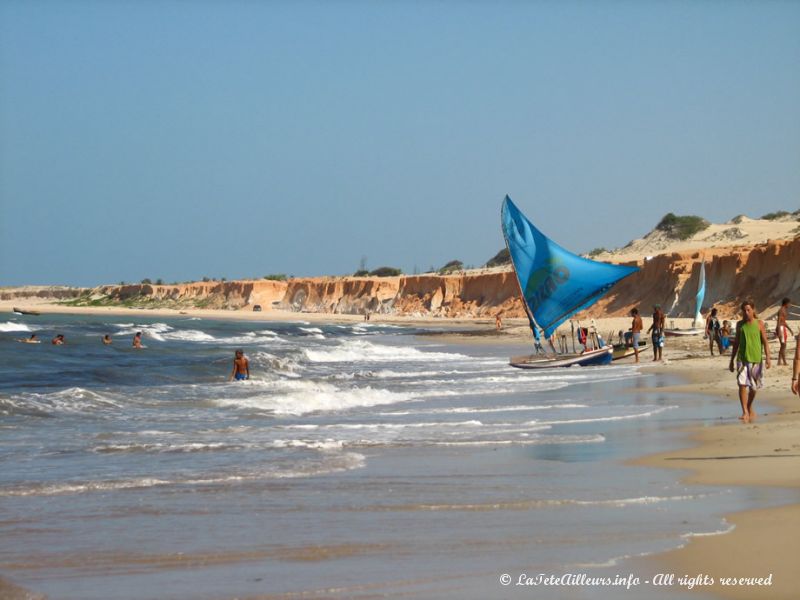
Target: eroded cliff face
211, 294
764, 273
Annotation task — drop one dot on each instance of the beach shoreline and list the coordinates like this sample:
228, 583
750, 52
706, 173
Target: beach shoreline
721, 453
762, 541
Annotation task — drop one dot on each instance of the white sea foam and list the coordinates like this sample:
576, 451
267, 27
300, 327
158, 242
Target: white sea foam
529, 441
327, 463
72, 400
189, 335
12, 326
478, 410
307, 397
693, 534
166, 447
642, 415
364, 351
150, 330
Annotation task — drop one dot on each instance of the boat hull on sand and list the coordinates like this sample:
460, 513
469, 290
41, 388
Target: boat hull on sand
537, 361
25, 312
623, 351
683, 332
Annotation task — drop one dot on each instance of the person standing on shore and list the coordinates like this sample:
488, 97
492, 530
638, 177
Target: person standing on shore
713, 331
241, 367
782, 331
636, 330
749, 350
657, 329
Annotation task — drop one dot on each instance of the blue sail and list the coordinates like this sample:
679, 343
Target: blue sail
555, 283
701, 293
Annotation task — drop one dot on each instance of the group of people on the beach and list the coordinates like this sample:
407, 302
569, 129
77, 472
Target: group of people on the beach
656, 331
749, 347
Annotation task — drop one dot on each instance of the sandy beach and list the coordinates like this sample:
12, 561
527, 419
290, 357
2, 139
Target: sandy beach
762, 544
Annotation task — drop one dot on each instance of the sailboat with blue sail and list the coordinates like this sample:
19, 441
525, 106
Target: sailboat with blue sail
698, 324
555, 284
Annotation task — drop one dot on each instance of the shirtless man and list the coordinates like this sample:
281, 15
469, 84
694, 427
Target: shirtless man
636, 330
783, 330
58, 340
137, 340
657, 329
30, 340
241, 367
106, 339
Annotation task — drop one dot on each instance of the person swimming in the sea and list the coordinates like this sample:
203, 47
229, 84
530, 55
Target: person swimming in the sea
30, 340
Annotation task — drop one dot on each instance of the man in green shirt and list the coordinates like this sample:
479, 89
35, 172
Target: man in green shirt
749, 350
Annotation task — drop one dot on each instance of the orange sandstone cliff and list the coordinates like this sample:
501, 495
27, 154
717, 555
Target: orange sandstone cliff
764, 272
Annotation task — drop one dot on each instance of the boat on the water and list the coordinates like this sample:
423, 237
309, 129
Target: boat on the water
22, 311
698, 325
555, 284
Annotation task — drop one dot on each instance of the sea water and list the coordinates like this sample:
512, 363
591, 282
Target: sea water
359, 460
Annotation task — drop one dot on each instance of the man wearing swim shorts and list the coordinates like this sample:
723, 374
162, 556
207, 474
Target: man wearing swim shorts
749, 350
782, 331
636, 330
241, 367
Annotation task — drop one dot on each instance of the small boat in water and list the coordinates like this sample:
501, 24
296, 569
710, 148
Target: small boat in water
22, 311
555, 284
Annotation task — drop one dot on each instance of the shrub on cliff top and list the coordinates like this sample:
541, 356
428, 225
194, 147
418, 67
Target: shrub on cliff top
683, 227
596, 251
386, 272
276, 277
774, 216
451, 267
361, 273
501, 258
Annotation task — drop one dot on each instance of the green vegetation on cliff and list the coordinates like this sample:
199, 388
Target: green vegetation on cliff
681, 227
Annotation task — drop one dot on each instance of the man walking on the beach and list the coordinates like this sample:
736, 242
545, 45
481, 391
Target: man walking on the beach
657, 329
783, 330
636, 330
749, 349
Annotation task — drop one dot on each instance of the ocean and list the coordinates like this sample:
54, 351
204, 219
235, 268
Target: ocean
360, 460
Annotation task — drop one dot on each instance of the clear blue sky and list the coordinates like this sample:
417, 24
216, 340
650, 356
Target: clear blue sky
181, 139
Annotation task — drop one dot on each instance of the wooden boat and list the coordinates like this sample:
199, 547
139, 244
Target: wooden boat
555, 284
624, 351
683, 332
26, 312
601, 356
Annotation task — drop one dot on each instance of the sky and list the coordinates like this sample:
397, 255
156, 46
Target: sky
181, 140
